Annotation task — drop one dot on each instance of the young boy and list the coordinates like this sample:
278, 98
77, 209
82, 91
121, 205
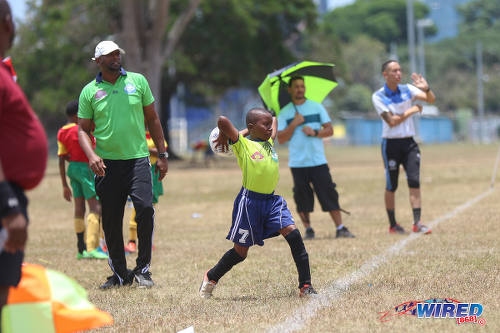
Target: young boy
157, 192
82, 182
258, 213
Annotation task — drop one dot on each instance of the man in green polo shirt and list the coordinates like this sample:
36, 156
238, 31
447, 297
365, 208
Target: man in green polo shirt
118, 103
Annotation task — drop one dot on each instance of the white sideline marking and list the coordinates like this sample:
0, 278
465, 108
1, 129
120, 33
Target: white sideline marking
298, 319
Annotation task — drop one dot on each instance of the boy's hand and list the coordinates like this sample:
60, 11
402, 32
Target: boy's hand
17, 230
67, 193
222, 141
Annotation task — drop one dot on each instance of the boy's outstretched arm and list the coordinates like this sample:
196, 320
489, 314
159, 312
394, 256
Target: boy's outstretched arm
227, 131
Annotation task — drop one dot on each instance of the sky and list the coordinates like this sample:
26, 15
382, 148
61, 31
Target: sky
18, 8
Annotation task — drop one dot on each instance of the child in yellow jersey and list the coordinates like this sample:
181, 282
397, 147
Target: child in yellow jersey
157, 192
258, 213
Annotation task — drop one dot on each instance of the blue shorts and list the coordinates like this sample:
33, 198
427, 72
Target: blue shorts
258, 216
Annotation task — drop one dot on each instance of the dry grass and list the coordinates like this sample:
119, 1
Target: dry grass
459, 260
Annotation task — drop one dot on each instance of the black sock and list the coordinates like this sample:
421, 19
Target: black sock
392, 218
300, 256
80, 243
416, 215
228, 260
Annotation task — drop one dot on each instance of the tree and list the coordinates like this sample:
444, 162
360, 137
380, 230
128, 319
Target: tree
227, 43
383, 20
480, 15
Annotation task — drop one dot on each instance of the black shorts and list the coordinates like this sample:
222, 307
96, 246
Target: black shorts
10, 263
403, 151
321, 180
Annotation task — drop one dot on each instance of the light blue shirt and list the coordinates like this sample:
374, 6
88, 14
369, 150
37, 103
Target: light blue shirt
304, 151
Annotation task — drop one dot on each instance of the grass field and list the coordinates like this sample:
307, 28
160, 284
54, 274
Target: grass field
459, 260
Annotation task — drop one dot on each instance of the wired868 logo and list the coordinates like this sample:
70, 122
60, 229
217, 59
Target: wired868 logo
438, 308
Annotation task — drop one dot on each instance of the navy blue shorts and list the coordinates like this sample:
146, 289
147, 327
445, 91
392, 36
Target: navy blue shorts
10, 263
258, 216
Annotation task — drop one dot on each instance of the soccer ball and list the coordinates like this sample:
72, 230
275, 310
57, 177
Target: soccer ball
218, 150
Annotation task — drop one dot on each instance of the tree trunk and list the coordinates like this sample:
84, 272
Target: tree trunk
148, 43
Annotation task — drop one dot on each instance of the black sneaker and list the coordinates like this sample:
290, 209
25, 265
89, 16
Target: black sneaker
397, 229
113, 281
144, 279
344, 233
307, 289
309, 233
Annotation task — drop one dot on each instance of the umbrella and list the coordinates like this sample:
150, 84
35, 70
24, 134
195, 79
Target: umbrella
318, 79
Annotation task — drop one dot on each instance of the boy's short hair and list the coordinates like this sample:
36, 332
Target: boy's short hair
252, 114
294, 78
72, 108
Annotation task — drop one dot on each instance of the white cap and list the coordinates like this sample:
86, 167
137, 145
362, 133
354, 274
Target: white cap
106, 47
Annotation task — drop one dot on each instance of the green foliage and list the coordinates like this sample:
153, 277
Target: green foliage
357, 98
53, 51
233, 42
384, 20
479, 15
228, 43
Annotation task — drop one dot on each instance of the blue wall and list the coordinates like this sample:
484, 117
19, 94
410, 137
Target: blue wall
368, 131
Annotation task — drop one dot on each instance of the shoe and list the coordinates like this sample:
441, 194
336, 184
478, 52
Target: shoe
96, 254
207, 287
397, 229
419, 227
144, 279
83, 255
344, 233
309, 233
131, 247
103, 249
307, 289
113, 281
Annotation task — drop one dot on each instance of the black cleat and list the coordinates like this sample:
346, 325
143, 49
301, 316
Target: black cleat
397, 229
144, 279
114, 281
344, 233
307, 289
309, 233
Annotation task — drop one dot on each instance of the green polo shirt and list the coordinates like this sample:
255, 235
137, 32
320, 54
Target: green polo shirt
117, 111
259, 163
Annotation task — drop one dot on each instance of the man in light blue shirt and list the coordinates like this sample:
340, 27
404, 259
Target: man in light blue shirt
304, 123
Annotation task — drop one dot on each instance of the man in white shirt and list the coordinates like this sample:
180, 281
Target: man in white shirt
393, 102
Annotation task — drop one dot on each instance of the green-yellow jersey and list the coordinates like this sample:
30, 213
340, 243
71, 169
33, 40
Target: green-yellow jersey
117, 111
259, 163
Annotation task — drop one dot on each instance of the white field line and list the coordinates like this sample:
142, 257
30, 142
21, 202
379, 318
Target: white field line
297, 320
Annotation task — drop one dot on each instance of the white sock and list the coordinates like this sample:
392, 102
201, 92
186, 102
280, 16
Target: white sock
340, 226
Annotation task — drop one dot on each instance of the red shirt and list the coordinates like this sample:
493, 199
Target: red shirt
67, 142
23, 143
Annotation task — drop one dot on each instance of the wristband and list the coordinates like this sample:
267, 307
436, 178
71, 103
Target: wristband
316, 132
9, 204
163, 155
428, 89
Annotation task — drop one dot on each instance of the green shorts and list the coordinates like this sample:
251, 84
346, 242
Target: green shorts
157, 185
82, 180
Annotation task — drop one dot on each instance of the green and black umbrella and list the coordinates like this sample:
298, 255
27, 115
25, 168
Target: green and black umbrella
318, 79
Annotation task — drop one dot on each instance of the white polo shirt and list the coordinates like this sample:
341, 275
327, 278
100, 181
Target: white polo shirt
397, 102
